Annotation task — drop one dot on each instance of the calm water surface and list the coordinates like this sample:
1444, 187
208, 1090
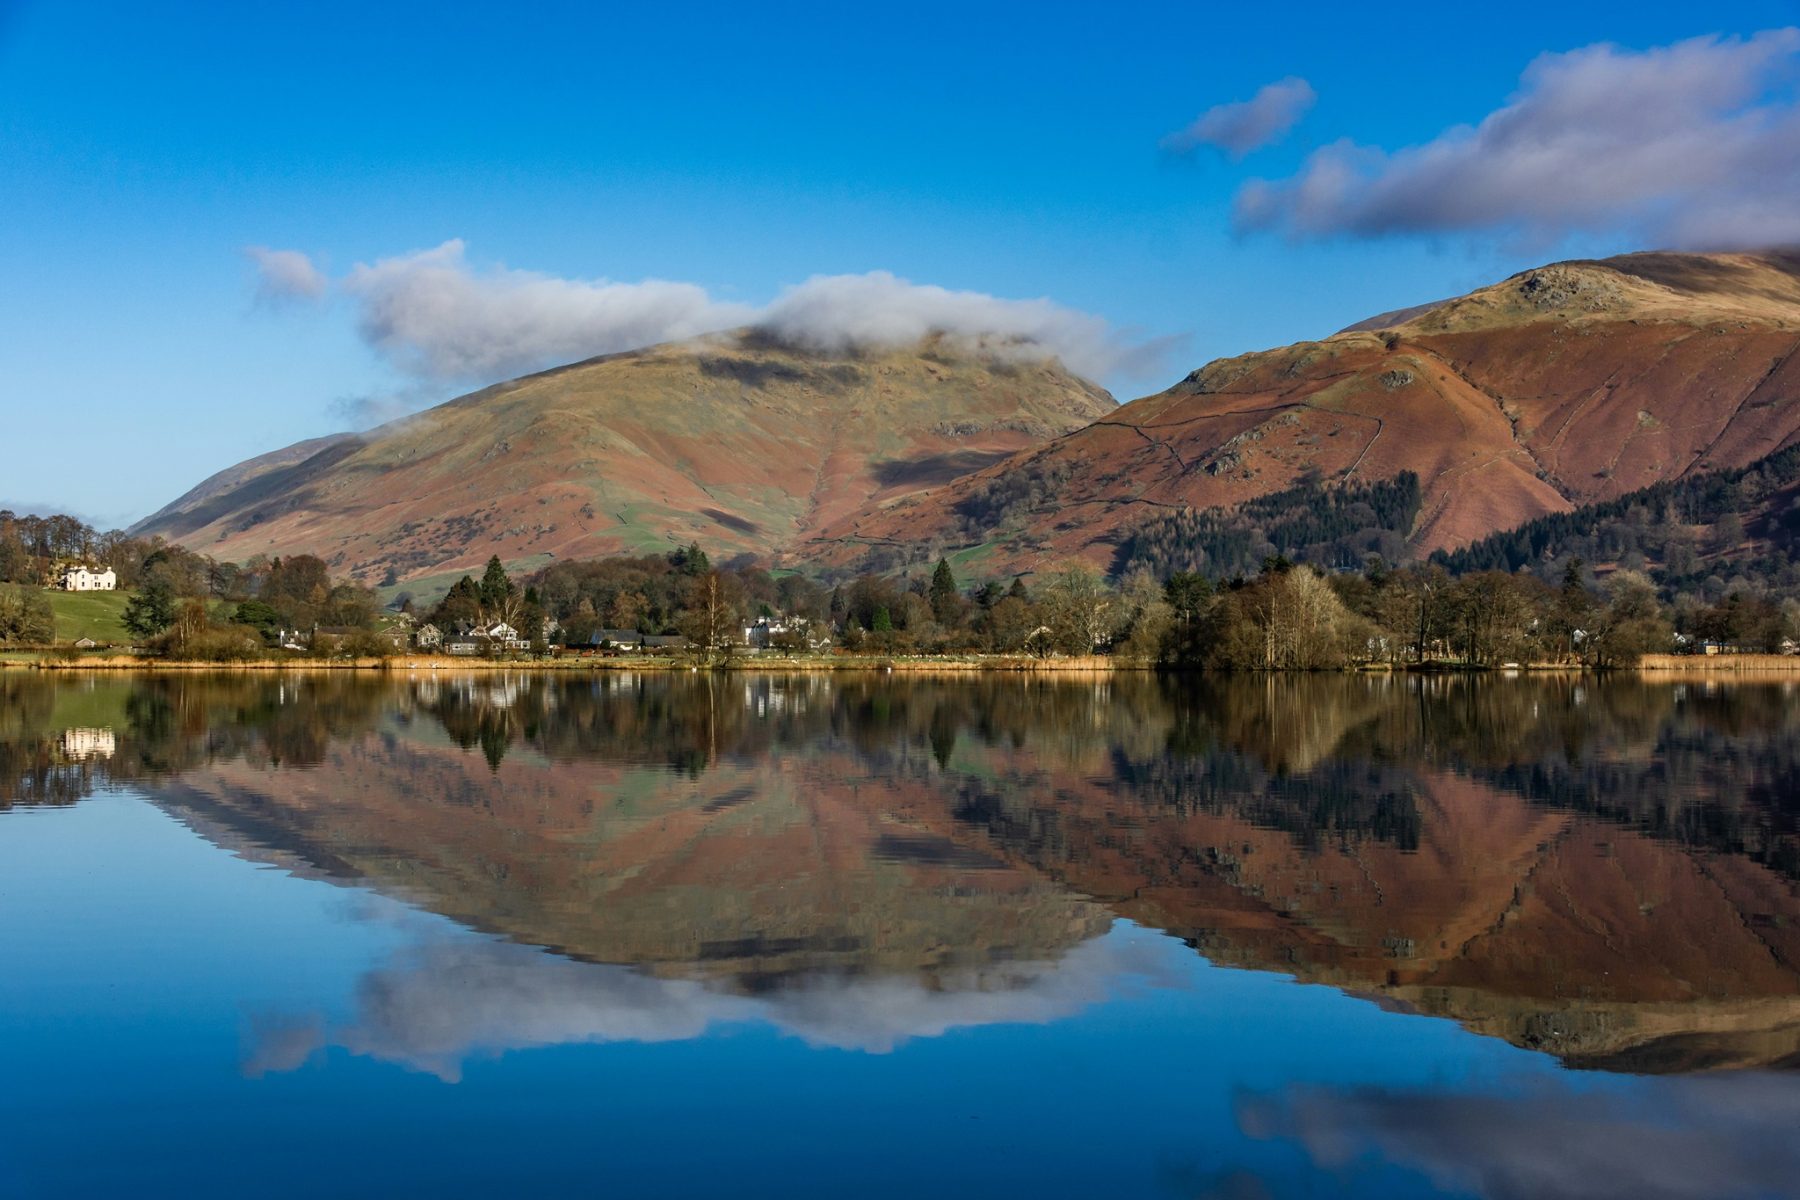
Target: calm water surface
835, 936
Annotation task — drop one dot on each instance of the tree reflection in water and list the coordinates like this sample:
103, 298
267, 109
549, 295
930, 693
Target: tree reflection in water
1602, 868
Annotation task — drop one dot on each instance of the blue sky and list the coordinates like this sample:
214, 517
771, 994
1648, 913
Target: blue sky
1013, 151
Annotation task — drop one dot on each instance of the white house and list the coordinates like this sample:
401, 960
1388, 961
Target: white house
765, 632
502, 633
82, 578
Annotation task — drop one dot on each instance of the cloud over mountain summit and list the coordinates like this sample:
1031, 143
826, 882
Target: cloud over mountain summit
438, 318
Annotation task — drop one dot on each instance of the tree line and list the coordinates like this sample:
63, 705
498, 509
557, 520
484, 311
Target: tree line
181, 603
1284, 616
1324, 757
1699, 538
1336, 526
1184, 590
1287, 616
249, 609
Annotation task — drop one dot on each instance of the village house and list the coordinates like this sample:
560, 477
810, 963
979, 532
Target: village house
784, 632
500, 634
757, 636
83, 578
631, 639
479, 640
428, 637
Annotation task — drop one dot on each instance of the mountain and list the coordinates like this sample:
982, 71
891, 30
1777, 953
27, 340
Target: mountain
739, 442
1567, 384
233, 479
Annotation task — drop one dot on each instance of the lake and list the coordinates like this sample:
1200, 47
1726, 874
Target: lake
502, 934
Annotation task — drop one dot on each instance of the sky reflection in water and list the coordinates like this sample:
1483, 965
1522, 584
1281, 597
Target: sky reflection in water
819, 936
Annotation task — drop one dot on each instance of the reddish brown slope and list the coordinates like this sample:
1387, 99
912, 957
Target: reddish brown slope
756, 870
1552, 929
1336, 829
732, 441
1570, 383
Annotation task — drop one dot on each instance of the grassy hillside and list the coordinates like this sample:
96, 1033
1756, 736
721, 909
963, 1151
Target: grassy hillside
97, 615
737, 441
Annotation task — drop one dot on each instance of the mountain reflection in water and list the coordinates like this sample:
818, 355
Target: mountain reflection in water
1606, 872
1603, 870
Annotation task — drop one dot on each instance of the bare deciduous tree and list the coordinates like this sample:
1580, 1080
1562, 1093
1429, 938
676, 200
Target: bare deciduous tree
714, 619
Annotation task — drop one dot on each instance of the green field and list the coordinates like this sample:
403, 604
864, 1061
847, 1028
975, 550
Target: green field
97, 615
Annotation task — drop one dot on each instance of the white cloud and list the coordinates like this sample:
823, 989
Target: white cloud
1247, 125
846, 312
1695, 144
436, 317
442, 321
285, 276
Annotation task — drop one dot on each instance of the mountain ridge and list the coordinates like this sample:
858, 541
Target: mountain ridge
1566, 384
736, 441
1560, 385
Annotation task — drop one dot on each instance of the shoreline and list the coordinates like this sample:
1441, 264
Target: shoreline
1093, 664
1663, 666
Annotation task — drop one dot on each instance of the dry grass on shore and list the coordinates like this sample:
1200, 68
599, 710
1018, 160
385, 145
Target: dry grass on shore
1721, 664
958, 664
1662, 666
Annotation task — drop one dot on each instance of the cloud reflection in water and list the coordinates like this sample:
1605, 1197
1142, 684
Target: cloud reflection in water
1703, 1137
434, 1006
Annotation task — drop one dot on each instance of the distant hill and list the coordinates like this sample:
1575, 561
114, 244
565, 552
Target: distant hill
736, 441
1568, 384
1398, 316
